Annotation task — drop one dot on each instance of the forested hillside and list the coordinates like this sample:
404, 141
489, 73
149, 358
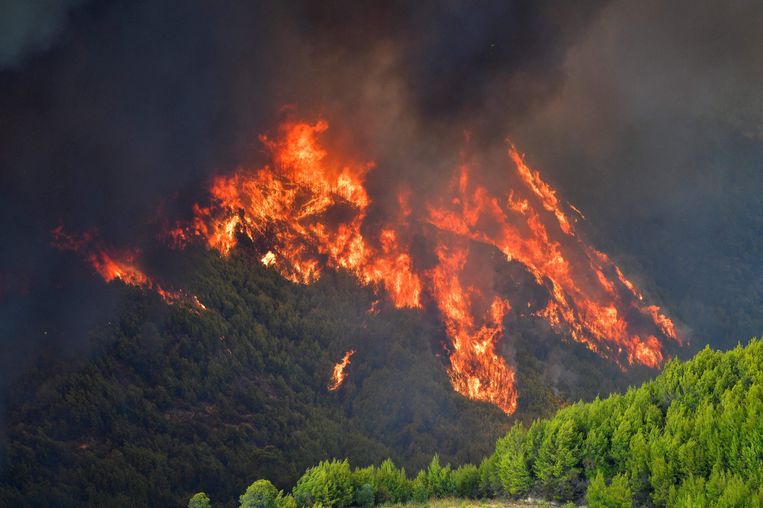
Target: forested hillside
172, 397
693, 437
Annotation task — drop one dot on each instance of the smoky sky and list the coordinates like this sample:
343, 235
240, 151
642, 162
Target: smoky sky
114, 114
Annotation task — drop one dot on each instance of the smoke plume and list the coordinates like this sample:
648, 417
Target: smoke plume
646, 115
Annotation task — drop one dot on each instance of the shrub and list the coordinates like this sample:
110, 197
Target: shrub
390, 484
364, 496
260, 494
329, 483
467, 480
615, 495
199, 500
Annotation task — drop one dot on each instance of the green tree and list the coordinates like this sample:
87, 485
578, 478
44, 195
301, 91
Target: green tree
439, 479
512, 465
489, 483
466, 479
557, 466
420, 489
615, 495
199, 500
390, 484
329, 483
260, 494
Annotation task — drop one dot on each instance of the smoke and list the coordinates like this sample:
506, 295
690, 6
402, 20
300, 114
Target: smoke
139, 103
656, 134
30, 26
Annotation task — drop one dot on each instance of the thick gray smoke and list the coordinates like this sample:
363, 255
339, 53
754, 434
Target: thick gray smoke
126, 118
30, 26
647, 115
657, 134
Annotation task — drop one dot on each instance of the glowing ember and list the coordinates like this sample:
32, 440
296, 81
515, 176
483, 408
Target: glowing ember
111, 264
338, 375
268, 259
312, 208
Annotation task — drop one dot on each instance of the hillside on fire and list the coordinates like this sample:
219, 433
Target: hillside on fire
171, 397
332, 253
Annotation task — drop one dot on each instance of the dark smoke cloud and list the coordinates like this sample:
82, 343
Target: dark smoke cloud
142, 101
137, 103
30, 26
656, 134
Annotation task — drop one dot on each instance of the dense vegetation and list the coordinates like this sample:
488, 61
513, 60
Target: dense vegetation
169, 398
693, 437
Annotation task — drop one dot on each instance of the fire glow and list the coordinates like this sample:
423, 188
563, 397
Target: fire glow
311, 207
338, 374
115, 264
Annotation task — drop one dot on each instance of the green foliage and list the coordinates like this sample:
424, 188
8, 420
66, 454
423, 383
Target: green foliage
466, 479
512, 464
240, 390
490, 482
286, 501
615, 495
169, 399
363, 484
328, 484
439, 480
260, 494
420, 488
199, 500
690, 437
391, 484
364, 495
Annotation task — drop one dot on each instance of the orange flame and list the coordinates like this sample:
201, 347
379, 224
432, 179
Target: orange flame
312, 209
338, 375
111, 264
293, 203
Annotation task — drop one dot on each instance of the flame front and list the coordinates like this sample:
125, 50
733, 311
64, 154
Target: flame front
338, 374
312, 208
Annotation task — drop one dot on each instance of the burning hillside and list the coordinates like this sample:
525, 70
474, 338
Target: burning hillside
310, 209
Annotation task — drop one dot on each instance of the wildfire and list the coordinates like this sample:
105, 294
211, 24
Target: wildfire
338, 375
111, 264
310, 208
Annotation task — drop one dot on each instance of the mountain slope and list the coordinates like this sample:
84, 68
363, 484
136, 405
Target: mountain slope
171, 397
690, 438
